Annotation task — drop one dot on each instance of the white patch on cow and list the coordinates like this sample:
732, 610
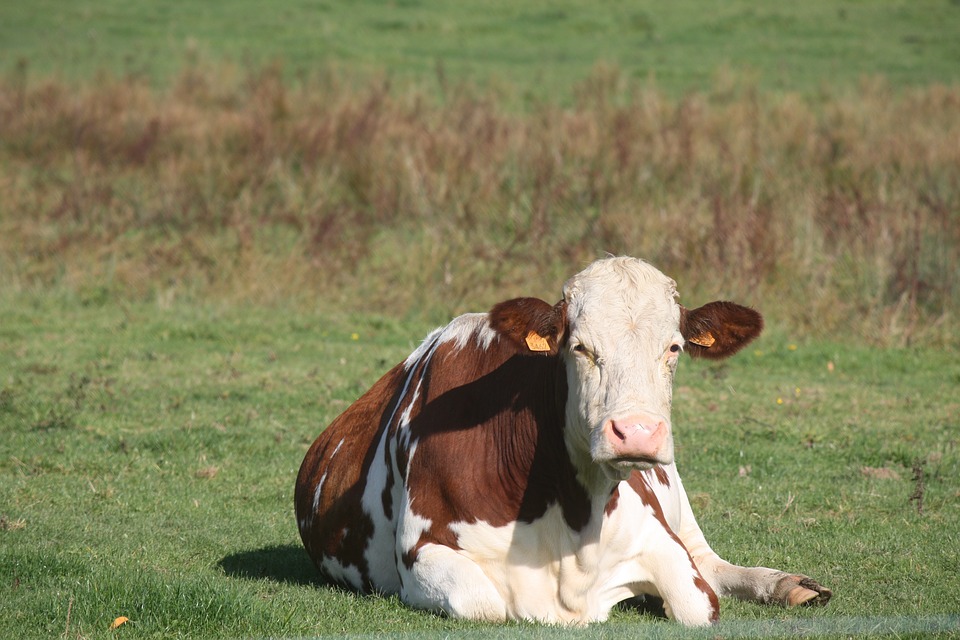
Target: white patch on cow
667, 568
336, 449
461, 331
403, 429
470, 327
544, 570
308, 520
444, 581
425, 349
669, 496
410, 527
378, 554
380, 551
338, 572
317, 492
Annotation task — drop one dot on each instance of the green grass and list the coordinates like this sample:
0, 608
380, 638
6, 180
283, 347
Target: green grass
539, 49
149, 456
174, 229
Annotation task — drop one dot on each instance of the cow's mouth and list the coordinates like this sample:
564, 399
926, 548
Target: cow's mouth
639, 462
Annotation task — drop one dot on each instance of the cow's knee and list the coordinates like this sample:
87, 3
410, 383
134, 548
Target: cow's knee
692, 603
687, 597
444, 581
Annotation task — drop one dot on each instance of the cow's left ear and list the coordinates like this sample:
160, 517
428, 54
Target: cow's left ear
535, 327
719, 329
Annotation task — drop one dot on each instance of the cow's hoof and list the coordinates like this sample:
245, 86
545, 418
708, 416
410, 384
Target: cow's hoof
793, 591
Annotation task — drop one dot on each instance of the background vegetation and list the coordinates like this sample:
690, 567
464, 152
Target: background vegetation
808, 155
843, 209
220, 223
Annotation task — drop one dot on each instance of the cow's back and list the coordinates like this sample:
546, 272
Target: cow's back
332, 481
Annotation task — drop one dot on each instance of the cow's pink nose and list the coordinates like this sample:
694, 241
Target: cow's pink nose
638, 436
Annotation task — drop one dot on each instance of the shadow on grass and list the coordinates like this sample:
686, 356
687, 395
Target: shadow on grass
286, 563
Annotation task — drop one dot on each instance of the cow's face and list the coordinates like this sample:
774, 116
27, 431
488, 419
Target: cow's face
620, 332
623, 344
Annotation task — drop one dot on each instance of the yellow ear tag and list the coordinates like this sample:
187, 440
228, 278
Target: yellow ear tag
705, 339
537, 342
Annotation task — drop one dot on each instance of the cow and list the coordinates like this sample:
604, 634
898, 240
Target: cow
519, 464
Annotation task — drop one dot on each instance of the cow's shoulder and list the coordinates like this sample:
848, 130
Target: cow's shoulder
488, 427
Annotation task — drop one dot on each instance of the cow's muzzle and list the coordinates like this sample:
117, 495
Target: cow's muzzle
642, 439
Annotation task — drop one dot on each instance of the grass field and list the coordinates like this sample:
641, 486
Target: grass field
221, 222
538, 49
148, 461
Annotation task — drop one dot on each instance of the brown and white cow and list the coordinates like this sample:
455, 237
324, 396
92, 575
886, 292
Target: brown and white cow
519, 464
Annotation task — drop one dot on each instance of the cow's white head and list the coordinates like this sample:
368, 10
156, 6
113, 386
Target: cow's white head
620, 333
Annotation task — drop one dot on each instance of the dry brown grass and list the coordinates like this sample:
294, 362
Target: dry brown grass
838, 215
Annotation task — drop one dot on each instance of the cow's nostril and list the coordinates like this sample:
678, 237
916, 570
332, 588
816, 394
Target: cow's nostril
617, 432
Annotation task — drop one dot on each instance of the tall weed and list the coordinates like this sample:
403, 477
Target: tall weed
838, 214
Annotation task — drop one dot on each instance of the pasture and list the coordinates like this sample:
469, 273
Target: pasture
533, 50
221, 222
149, 456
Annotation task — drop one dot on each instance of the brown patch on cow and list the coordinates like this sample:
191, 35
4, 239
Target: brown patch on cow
613, 501
409, 557
639, 483
719, 329
662, 476
531, 325
703, 586
490, 446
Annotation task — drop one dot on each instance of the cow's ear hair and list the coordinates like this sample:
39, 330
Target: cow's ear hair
535, 327
719, 329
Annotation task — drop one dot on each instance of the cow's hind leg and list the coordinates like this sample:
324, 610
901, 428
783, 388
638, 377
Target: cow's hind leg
444, 581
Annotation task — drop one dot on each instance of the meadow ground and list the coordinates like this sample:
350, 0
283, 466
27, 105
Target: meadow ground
534, 50
149, 455
221, 222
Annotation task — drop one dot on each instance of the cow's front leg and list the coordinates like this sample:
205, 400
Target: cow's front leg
760, 584
756, 584
444, 581
674, 577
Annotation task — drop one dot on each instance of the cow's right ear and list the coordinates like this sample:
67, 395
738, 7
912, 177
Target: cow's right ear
535, 327
719, 329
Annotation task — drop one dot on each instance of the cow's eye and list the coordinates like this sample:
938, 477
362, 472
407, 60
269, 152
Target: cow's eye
674, 348
586, 353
